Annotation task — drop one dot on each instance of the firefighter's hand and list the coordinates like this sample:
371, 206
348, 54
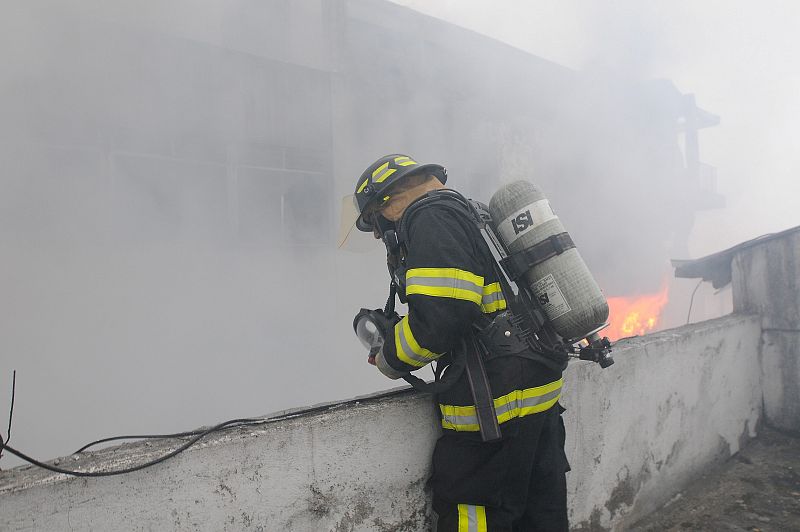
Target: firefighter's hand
372, 354
384, 367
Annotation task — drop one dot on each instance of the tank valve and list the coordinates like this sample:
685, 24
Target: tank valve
598, 350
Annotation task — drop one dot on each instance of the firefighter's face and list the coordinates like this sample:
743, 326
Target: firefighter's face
392, 209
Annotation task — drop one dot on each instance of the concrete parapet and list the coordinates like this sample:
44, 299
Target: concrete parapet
766, 280
354, 466
780, 353
674, 402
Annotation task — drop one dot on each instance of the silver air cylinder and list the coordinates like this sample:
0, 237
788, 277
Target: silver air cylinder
562, 284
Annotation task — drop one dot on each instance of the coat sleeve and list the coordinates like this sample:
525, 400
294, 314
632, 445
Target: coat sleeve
444, 288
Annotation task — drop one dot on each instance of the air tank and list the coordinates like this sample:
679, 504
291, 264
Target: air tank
569, 295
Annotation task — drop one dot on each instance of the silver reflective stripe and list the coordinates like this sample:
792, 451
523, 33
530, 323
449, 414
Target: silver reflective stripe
407, 348
446, 282
460, 421
385, 368
472, 515
492, 298
528, 402
525, 219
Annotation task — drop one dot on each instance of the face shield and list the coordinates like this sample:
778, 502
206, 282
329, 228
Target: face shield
350, 238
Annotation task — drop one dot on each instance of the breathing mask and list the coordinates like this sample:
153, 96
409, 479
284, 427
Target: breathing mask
373, 326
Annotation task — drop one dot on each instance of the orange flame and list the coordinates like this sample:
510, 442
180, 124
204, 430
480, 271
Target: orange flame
635, 316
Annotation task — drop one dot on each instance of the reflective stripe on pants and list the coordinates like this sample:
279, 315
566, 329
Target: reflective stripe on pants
471, 518
518, 403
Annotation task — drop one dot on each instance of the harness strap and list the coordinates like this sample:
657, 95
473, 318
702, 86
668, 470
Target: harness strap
441, 384
481, 393
474, 353
516, 264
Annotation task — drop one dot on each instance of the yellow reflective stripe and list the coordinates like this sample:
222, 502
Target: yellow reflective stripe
442, 291
454, 410
471, 518
481, 511
450, 273
408, 349
461, 427
538, 391
445, 282
362, 186
463, 518
450, 412
493, 288
381, 178
493, 299
380, 174
518, 403
494, 307
412, 342
527, 410
380, 169
404, 161
401, 353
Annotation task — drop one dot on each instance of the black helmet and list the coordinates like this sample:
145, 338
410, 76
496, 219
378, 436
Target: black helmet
382, 174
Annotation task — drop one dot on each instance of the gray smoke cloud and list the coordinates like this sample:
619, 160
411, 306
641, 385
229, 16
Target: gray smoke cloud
739, 58
171, 174
166, 220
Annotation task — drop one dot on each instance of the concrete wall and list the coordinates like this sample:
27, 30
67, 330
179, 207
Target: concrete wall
356, 467
674, 402
766, 280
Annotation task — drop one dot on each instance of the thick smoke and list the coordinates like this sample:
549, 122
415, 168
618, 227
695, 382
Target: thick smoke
171, 174
167, 212
739, 59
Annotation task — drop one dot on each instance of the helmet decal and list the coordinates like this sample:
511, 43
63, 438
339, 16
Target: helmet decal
382, 174
404, 161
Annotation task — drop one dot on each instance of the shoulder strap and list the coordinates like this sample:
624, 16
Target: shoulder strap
444, 197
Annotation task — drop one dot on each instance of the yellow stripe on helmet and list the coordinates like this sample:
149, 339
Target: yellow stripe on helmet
404, 161
380, 169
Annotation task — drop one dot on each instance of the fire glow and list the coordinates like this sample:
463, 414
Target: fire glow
635, 316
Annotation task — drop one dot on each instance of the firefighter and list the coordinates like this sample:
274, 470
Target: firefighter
445, 273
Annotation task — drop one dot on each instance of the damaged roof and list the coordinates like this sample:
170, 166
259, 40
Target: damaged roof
717, 266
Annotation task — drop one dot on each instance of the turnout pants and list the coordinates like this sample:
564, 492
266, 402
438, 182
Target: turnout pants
517, 484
